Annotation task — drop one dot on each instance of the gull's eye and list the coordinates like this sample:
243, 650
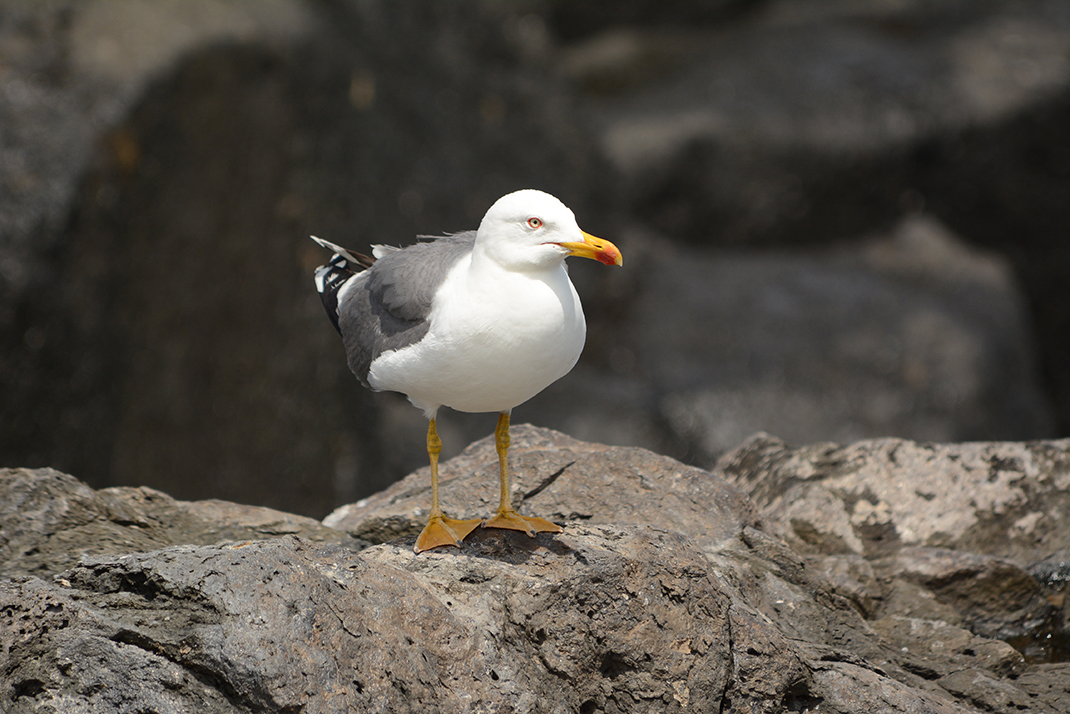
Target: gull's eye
534, 222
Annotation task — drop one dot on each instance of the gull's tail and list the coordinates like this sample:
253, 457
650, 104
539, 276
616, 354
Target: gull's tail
332, 278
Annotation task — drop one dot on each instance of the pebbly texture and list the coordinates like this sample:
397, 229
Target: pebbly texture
561, 478
288, 624
695, 605
48, 520
597, 619
876, 497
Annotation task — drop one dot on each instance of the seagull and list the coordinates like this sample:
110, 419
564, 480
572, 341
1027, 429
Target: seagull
479, 321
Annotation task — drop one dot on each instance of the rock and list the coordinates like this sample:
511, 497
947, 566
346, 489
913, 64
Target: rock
1049, 683
507, 632
962, 521
571, 20
755, 125
68, 75
995, 597
875, 497
692, 606
872, 340
986, 693
599, 618
938, 543
557, 477
942, 649
72, 72
48, 520
801, 123
1054, 571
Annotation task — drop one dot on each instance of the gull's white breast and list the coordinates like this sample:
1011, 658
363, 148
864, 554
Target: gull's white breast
497, 338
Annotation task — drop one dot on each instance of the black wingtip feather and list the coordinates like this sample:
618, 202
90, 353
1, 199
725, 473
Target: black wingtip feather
329, 280
331, 277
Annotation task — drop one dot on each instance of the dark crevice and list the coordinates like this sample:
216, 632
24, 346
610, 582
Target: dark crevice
614, 665
730, 666
920, 669
27, 689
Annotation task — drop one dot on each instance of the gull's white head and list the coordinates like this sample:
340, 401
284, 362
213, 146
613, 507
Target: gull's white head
531, 230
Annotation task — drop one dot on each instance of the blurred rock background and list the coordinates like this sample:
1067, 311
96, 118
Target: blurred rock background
841, 219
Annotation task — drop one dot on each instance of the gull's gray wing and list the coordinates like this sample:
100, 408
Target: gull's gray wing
388, 306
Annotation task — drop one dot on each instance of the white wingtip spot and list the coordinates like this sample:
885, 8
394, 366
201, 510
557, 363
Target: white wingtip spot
381, 251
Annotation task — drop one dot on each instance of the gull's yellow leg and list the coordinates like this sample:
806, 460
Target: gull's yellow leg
506, 517
440, 530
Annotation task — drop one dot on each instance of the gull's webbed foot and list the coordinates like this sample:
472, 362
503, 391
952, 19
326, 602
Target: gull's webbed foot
511, 520
444, 531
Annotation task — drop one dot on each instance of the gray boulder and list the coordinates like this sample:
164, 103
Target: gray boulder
876, 497
971, 534
48, 520
694, 605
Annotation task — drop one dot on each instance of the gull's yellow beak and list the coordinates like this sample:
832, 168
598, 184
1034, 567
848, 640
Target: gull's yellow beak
596, 249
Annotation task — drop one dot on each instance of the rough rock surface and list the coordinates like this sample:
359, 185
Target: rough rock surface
563, 479
632, 618
970, 534
876, 497
48, 520
692, 606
